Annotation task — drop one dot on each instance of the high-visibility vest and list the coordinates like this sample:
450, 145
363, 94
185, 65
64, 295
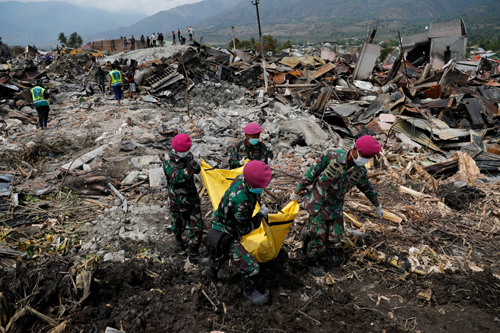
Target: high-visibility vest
37, 95
116, 78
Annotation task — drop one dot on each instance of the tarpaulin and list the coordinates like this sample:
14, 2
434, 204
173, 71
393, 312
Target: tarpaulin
265, 242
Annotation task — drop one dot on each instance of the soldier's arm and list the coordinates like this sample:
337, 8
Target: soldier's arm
244, 220
267, 155
196, 167
314, 171
365, 186
178, 176
234, 161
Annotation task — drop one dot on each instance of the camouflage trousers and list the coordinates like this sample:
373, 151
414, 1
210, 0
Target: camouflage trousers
323, 233
193, 219
242, 259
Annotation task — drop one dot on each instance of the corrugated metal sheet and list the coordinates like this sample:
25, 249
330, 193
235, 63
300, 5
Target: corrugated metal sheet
474, 109
447, 29
442, 103
415, 134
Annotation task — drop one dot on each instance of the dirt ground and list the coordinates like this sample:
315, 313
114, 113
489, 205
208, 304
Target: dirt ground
162, 292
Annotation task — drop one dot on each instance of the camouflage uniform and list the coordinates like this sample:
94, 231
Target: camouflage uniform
234, 217
183, 199
240, 149
100, 77
331, 178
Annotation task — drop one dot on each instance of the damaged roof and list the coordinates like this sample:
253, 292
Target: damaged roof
448, 29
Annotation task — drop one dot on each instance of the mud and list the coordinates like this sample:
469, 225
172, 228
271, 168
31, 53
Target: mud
163, 293
460, 199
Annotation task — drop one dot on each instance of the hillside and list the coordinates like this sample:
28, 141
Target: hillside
168, 20
40, 22
333, 19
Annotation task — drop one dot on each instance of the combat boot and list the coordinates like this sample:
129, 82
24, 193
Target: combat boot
210, 274
254, 296
195, 258
315, 269
306, 238
179, 241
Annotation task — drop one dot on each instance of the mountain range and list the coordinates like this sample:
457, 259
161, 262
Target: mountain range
333, 19
39, 23
298, 21
167, 21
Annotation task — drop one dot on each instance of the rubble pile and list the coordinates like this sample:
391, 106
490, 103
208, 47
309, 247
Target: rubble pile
92, 186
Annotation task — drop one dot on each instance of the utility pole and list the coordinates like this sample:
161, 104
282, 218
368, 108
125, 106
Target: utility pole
256, 4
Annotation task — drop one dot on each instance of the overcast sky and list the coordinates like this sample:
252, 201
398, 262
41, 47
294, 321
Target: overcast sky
147, 7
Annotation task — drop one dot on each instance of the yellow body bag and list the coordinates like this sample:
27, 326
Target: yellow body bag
263, 243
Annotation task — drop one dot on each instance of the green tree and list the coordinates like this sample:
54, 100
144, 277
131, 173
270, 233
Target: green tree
385, 52
62, 38
269, 43
252, 40
244, 44
75, 40
286, 45
236, 41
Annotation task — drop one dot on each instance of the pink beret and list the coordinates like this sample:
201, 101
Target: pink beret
257, 174
253, 128
368, 145
181, 143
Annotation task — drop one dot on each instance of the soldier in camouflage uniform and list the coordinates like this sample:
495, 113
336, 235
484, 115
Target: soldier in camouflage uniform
250, 148
232, 220
100, 77
183, 199
332, 176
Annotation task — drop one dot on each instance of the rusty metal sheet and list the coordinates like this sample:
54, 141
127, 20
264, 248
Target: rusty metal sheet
433, 92
323, 70
373, 125
32, 75
279, 77
297, 73
493, 149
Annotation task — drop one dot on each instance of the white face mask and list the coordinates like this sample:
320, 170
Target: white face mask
182, 155
360, 161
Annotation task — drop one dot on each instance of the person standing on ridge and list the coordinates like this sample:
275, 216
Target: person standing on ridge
332, 176
190, 32
183, 199
143, 41
124, 44
250, 148
132, 43
173, 38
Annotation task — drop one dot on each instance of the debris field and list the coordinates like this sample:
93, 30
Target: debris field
84, 224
